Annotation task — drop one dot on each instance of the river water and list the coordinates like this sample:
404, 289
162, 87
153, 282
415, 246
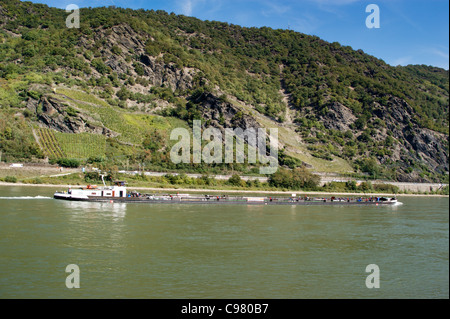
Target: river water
220, 252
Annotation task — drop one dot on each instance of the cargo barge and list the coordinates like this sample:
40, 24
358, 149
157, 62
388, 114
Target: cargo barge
119, 194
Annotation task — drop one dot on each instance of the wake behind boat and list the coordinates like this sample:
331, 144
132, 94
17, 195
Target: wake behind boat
118, 193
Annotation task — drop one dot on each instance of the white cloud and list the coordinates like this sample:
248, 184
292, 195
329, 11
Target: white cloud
307, 24
274, 8
335, 7
402, 61
186, 7
334, 2
440, 53
194, 7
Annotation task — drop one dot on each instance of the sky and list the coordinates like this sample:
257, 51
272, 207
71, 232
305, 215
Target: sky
410, 31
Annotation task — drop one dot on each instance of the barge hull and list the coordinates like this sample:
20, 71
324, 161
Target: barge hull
227, 202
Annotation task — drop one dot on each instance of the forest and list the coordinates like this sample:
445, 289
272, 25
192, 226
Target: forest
128, 77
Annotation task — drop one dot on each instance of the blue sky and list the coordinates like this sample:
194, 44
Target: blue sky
411, 31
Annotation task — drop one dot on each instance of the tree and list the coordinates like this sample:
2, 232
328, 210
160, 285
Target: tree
123, 94
235, 180
99, 66
153, 141
299, 178
351, 185
68, 162
370, 166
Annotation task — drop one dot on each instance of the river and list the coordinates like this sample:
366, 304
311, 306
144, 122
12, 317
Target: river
220, 252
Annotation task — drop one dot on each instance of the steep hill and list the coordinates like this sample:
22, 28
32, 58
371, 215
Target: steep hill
127, 77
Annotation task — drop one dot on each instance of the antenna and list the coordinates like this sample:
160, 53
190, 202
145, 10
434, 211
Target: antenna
103, 180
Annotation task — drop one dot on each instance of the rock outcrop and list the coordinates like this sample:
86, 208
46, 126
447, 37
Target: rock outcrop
55, 115
154, 69
222, 114
339, 117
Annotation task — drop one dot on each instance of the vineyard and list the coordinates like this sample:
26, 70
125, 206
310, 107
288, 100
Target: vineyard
82, 146
131, 127
49, 143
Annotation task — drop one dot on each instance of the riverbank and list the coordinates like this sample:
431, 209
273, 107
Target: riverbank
227, 191
156, 181
58, 177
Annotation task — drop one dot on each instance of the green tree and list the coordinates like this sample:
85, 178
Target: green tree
100, 66
153, 141
235, 180
299, 178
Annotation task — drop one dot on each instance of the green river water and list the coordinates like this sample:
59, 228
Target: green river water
189, 251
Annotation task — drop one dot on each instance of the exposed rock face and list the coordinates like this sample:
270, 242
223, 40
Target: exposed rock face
399, 110
155, 70
161, 74
54, 115
413, 144
32, 105
125, 36
117, 66
428, 145
416, 143
339, 117
223, 114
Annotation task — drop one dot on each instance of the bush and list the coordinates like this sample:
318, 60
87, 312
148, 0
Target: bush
95, 159
11, 179
444, 191
71, 111
100, 66
387, 188
90, 177
235, 180
37, 180
366, 186
370, 166
68, 162
351, 185
153, 141
172, 179
299, 178
116, 50
205, 180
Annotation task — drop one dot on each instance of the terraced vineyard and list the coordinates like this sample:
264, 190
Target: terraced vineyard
131, 127
82, 146
49, 143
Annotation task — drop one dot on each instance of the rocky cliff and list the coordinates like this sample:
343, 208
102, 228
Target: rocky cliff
334, 107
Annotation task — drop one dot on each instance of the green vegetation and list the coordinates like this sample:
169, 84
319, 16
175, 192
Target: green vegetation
139, 98
297, 179
182, 181
49, 143
364, 187
16, 139
68, 162
10, 179
247, 66
81, 146
82, 96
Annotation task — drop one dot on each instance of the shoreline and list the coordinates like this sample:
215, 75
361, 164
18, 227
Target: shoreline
205, 190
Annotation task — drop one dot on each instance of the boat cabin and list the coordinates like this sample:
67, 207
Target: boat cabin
112, 191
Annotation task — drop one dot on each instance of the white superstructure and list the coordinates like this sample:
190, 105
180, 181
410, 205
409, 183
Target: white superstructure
94, 192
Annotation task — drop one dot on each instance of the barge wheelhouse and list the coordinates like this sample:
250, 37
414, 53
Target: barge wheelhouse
93, 192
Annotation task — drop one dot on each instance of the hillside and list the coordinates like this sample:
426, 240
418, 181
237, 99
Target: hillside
113, 90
